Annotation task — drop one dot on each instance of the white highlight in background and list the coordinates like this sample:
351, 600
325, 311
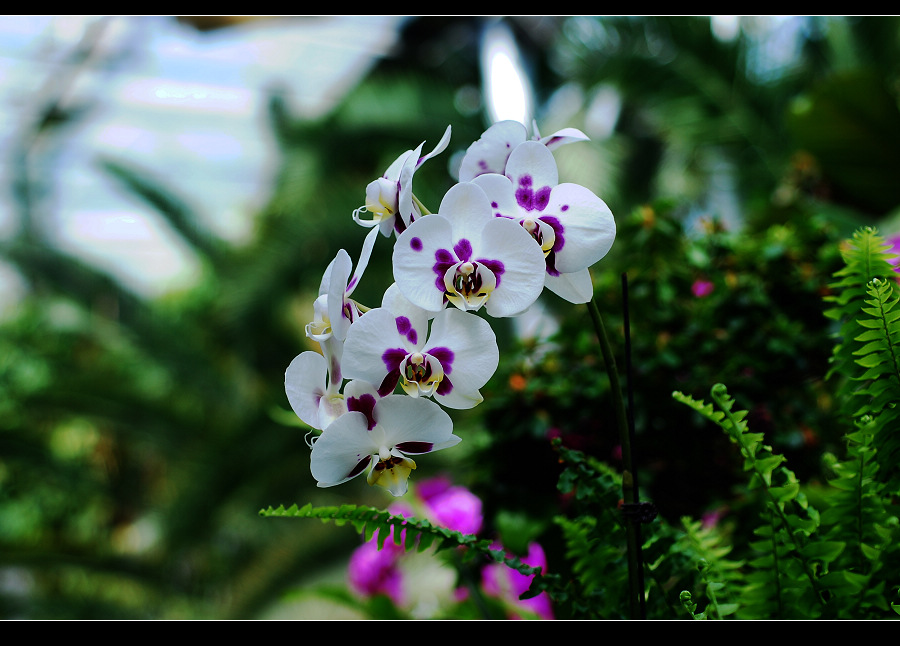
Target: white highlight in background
507, 89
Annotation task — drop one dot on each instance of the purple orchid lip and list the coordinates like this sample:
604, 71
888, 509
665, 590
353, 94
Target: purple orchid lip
445, 356
560, 242
462, 252
392, 358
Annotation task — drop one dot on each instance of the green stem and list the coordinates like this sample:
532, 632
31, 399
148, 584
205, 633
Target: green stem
628, 489
421, 206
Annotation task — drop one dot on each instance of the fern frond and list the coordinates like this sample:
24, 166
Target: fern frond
866, 258
688, 603
410, 533
783, 580
594, 539
718, 573
878, 371
859, 516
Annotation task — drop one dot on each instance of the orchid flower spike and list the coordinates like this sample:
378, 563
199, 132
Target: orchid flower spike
381, 440
466, 257
390, 198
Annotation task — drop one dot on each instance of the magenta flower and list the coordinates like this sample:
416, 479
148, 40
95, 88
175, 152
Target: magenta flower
702, 288
375, 571
894, 250
507, 584
450, 506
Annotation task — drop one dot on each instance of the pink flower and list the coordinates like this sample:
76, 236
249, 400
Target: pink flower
702, 288
894, 250
455, 508
507, 584
712, 517
375, 571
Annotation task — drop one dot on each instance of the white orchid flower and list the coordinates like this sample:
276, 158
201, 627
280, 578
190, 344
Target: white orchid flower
334, 309
381, 442
573, 227
391, 195
457, 358
490, 153
466, 257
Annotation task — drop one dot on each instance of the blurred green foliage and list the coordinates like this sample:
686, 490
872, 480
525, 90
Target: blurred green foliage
139, 438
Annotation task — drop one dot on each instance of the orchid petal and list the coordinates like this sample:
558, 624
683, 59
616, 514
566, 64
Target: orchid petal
500, 191
532, 166
338, 452
467, 208
575, 287
305, 385
394, 301
438, 149
561, 137
414, 257
414, 425
590, 228
490, 152
364, 255
475, 356
340, 267
523, 267
407, 210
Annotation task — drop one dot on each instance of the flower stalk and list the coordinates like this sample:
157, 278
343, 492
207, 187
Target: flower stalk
629, 481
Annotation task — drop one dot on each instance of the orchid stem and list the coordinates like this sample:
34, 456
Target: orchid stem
629, 489
421, 206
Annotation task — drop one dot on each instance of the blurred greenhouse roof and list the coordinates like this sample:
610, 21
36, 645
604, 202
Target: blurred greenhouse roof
185, 104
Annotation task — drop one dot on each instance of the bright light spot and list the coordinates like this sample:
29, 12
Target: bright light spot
725, 28
507, 89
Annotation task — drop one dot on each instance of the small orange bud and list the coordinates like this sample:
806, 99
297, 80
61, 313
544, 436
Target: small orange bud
517, 382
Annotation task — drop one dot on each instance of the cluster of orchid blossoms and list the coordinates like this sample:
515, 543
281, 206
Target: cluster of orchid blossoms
506, 231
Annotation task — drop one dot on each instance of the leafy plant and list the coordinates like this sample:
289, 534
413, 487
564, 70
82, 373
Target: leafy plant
830, 564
